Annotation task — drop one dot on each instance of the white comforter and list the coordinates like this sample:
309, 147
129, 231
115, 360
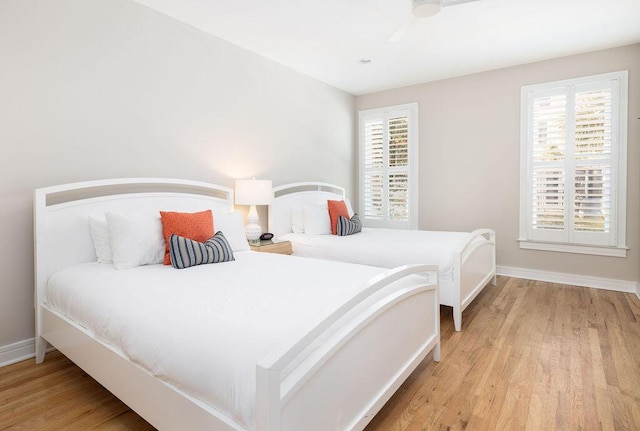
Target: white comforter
204, 329
387, 248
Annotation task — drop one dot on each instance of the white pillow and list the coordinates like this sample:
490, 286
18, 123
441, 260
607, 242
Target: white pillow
297, 219
316, 219
232, 226
100, 235
135, 240
349, 209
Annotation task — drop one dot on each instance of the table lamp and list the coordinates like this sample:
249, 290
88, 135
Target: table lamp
253, 192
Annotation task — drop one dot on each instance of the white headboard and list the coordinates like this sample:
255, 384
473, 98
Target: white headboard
61, 227
298, 194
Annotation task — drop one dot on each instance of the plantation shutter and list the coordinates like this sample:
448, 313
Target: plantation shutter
572, 162
374, 208
592, 209
398, 171
386, 169
548, 173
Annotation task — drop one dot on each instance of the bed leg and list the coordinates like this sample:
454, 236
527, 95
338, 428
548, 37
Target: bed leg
457, 318
436, 352
41, 349
494, 280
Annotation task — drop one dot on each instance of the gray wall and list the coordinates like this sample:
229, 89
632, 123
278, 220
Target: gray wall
93, 89
469, 156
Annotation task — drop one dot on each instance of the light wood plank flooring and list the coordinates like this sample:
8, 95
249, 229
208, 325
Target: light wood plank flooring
531, 356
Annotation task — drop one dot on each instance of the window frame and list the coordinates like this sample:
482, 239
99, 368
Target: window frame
384, 113
572, 241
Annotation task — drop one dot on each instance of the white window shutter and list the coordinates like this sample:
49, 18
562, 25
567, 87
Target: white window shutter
373, 178
548, 151
593, 141
574, 162
387, 185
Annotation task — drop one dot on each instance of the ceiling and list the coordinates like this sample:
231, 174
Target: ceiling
327, 39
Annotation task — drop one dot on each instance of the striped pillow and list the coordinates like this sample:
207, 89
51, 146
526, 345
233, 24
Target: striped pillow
185, 252
349, 226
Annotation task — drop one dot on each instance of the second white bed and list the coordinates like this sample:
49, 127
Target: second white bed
466, 260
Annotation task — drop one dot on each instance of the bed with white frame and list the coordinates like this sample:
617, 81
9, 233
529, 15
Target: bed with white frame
473, 264
293, 382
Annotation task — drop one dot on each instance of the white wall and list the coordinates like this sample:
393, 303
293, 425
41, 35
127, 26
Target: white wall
94, 89
469, 156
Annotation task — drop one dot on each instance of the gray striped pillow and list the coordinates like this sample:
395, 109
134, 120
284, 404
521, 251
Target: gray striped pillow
185, 252
349, 226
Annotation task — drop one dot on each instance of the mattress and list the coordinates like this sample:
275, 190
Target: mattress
204, 329
387, 248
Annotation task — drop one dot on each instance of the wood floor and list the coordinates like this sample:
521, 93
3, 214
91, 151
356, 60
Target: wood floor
531, 356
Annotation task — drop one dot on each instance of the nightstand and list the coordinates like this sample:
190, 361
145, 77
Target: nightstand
281, 247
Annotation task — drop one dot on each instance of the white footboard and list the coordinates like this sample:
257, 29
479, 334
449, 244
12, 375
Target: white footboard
475, 268
365, 354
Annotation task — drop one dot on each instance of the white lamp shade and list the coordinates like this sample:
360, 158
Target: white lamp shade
253, 192
425, 8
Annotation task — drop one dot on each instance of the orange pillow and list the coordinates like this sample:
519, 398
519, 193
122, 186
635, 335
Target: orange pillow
196, 226
337, 209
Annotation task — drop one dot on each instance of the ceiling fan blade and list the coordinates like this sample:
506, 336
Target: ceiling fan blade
446, 3
401, 32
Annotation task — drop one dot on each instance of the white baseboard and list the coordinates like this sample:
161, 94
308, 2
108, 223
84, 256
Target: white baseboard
17, 352
572, 279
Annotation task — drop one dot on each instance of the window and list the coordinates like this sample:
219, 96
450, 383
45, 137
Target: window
573, 165
388, 167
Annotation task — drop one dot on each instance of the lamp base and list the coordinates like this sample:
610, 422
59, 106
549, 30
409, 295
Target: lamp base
253, 232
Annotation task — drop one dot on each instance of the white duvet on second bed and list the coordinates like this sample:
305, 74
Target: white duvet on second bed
204, 329
387, 248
